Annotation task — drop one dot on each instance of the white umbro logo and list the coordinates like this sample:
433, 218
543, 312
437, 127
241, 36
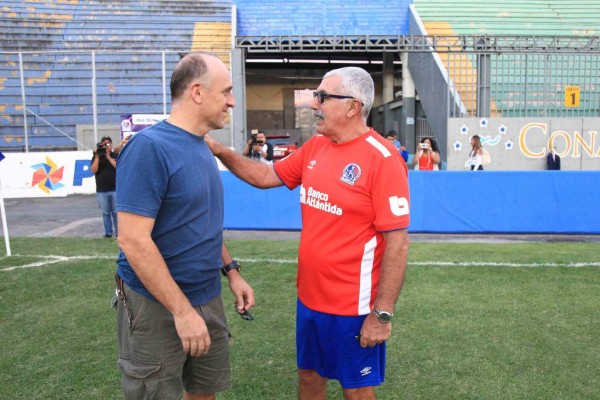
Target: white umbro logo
365, 371
312, 164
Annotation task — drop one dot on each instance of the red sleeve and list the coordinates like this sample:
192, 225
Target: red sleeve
290, 169
391, 196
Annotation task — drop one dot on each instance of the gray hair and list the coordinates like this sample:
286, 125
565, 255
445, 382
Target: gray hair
356, 82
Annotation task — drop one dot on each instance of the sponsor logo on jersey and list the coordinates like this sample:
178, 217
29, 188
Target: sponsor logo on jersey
365, 371
399, 206
311, 164
351, 173
319, 200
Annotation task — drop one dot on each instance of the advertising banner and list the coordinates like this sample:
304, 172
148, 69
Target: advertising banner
526, 143
46, 174
134, 123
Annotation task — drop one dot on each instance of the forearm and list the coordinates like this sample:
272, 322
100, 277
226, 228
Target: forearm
226, 259
269, 154
251, 171
225, 256
393, 270
112, 161
95, 164
244, 295
151, 269
246, 150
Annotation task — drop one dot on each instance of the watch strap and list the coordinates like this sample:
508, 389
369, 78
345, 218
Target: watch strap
383, 316
234, 264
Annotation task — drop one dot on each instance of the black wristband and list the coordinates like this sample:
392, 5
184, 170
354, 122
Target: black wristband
234, 264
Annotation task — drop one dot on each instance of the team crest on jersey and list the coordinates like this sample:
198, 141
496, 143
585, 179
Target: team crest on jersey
351, 173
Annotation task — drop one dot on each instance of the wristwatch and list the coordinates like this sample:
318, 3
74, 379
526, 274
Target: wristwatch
383, 316
234, 264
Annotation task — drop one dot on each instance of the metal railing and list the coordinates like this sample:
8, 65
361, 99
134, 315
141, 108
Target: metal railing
45, 96
48, 97
420, 43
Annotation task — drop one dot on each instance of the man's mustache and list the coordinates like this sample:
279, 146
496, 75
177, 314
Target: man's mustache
319, 114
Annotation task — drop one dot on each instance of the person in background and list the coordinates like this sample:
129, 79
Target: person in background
391, 136
103, 166
258, 148
475, 160
122, 143
552, 159
428, 155
172, 334
354, 244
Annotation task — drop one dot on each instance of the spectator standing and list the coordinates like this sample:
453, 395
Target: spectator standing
103, 166
428, 155
391, 136
475, 160
122, 143
354, 245
552, 160
170, 204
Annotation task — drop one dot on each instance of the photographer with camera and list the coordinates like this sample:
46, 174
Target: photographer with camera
103, 166
428, 155
259, 149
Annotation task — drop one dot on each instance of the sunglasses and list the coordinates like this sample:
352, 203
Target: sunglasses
245, 315
322, 96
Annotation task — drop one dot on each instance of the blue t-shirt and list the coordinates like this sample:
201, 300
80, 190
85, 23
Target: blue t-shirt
170, 175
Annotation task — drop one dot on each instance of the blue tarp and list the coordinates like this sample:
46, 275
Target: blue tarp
566, 202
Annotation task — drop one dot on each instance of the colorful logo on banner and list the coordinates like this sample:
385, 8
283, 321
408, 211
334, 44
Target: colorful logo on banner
46, 176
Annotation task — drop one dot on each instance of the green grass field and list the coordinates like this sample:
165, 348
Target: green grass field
474, 321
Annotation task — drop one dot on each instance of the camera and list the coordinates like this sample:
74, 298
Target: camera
100, 150
256, 141
424, 146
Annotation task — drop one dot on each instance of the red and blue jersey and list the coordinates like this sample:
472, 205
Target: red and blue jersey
349, 193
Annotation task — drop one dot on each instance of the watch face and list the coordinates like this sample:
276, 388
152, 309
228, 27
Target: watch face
383, 316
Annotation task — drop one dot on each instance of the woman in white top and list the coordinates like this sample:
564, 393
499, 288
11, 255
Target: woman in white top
476, 154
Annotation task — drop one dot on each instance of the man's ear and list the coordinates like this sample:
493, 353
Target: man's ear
354, 108
196, 93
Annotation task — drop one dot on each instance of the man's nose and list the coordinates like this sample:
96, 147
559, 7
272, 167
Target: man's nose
315, 103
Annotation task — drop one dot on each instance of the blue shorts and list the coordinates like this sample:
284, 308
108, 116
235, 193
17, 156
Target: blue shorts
327, 344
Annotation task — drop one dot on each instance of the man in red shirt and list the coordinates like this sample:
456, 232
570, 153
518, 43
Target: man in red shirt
354, 244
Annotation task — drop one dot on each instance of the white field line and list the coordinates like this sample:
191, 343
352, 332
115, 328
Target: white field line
53, 259
452, 263
501, 264
48, 260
